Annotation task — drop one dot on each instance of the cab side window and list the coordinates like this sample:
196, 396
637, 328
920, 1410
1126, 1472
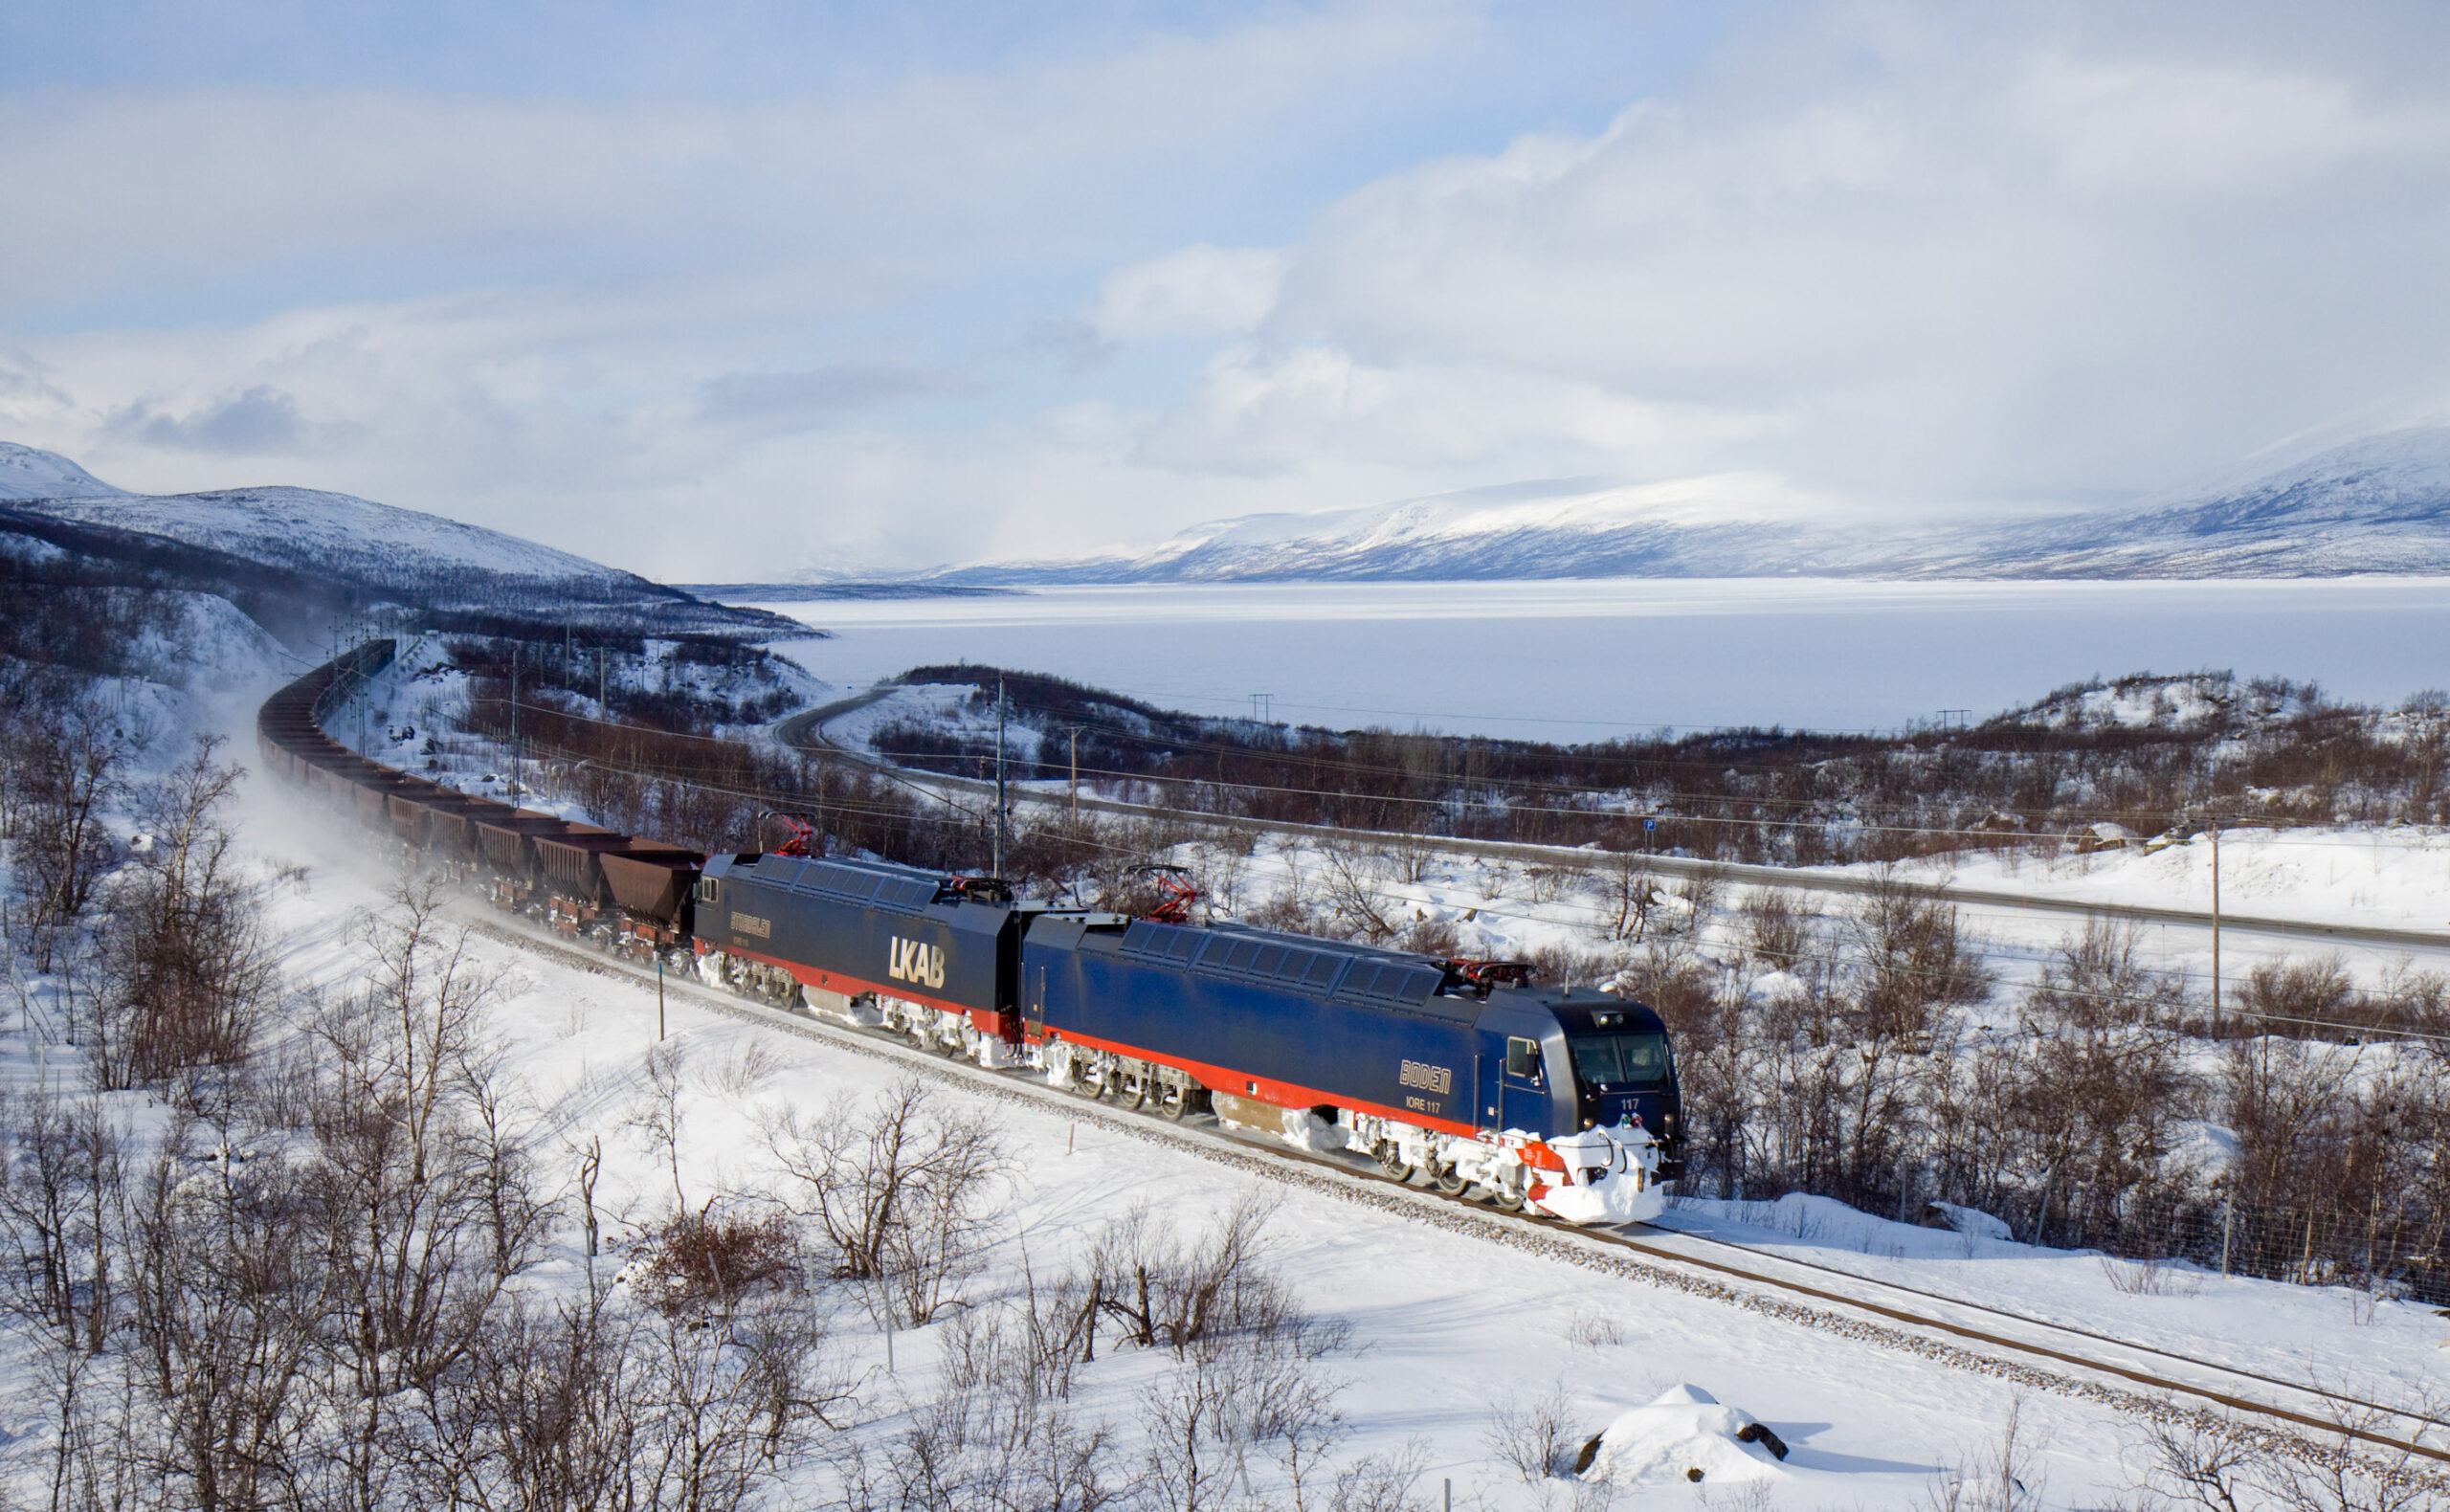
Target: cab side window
1522, 1058
707, 887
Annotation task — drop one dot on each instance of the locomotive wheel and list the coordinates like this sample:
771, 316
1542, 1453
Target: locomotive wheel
1450, 1181
1173, 1101
1507, 1198
1137, 1090
1390, 1160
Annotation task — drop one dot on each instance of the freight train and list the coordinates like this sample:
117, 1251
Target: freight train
1458, 1074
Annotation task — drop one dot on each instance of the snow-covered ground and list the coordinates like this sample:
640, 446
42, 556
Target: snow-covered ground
1448, 1329
1586, 660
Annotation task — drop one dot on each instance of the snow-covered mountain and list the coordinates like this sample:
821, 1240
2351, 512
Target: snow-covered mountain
26, 472
309, 530
2378, 504
377, 550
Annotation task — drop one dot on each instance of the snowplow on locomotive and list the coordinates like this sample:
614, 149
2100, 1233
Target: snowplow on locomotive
1459, 1072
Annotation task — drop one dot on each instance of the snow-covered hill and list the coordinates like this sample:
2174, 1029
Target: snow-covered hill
307, 529
392, 554
26, 472
2378, 504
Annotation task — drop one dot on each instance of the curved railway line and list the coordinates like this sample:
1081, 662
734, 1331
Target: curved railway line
805, 731
1982, 1337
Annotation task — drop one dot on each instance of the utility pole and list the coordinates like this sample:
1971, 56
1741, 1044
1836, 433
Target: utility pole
1000, 810
2216, 926
603, 710
514, 721
1076, 779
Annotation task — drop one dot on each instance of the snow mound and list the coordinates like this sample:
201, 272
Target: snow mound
27, 472
1974, 1221
1685, 1429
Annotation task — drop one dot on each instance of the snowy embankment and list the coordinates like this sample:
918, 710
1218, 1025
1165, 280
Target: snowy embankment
2394, 877
1459, 1346
1450, 1332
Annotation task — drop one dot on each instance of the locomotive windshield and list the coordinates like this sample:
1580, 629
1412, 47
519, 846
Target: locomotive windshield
1615, 1061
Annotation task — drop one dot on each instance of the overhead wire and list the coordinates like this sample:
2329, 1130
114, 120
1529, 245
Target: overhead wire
2180, 976
1537, 786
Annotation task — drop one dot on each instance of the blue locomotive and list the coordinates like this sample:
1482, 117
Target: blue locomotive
1458, 1073
1455, 1071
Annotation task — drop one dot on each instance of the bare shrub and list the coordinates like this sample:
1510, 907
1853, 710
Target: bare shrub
185, 966
1567, 966
1912, 956
1534, 1438
661, 1113
1547, 884
1028, 1345
725, 1408
1230, 1393
2150, 1278
1437, 938
968, 1450
1595, 1331
900, 1192
706, 1260
224, 1279
1628, 896
2219, 1467
1779, 929
63, 772
1163, 1292
1700, 892
2004, 1475
420, 1187
750, 1065
2096, 979
2295, 997
1347, 879
1381, 1482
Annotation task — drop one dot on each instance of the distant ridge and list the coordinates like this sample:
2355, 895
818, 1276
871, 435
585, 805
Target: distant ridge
26, 472
395, 555
2381, 505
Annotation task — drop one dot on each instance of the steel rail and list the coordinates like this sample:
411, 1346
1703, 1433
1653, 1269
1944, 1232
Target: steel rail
1357, 1184
805, 732
1886, 1299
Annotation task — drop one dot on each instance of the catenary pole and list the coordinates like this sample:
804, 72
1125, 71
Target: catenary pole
1001, 807
2216, 925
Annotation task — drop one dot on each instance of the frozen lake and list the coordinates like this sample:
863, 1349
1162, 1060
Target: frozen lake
1585, 661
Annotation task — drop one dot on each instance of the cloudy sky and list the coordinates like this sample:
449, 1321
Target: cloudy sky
738, 290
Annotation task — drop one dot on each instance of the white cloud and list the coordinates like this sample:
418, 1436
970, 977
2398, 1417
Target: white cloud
2144, 126
1895, 253
1198, 290
1269, 412
1991, 271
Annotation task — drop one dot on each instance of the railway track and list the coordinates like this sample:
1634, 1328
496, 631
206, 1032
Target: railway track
1962, 1332
1969, 1334
806, 732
